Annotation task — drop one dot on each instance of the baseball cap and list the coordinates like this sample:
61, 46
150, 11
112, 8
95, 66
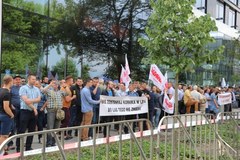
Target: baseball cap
17, 76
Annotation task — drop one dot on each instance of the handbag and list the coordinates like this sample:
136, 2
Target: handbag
60, 114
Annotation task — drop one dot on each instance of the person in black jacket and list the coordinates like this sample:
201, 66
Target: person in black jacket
75, 109
108, 92
150, 97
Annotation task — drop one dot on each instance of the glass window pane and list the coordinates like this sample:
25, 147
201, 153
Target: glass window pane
233, 1
200, 4
219, 12
231, 18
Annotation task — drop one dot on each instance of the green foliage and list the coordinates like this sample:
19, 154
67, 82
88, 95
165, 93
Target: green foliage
176, 38
59, 68
85, 72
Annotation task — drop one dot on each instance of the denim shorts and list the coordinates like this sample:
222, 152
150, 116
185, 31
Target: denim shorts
6, 124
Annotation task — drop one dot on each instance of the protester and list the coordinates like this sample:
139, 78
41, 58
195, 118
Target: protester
208, 97
6, 114
203, 101
158, 99
40, 108
108, 92
213, 105
181, 106
67, 103
54, 99
45, 81
30, 96
189, 100
87, 107
150, 97
15, 98
15, 101
95, 93
234, 101
131, 93
75, 109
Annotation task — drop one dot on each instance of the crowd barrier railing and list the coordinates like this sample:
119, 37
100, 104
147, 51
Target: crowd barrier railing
58, 134
188, 136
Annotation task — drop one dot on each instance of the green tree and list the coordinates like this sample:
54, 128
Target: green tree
109, 28
59, 68
178, 39
85, 72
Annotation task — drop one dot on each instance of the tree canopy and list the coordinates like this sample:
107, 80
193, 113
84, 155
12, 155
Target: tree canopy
59, 68
178, 39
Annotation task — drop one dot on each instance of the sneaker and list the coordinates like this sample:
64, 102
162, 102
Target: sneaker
76, 134
10, 148
68, 138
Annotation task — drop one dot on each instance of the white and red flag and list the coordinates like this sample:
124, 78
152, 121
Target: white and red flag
157, 77
166, 81
124, 77
168, 104
127, 65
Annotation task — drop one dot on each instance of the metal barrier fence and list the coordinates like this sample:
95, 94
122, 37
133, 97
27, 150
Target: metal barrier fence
189, 136
192, 136
136, 138
229, 130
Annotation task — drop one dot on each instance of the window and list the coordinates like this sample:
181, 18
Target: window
200, 4
231, 18
233, 1
219, 12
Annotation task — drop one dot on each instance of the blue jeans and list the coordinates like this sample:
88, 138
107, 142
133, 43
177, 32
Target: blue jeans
73, 117
156, 116
6, 125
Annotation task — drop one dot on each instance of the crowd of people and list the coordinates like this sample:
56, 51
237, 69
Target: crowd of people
32, 106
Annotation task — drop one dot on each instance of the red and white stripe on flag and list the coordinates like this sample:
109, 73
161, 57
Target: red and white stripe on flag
157, 77
168, 104
124, 77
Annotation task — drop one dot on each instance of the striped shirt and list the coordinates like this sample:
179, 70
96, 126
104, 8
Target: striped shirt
31, 92
54, 98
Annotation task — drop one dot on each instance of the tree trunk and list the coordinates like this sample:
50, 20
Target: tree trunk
175, 131
176, 94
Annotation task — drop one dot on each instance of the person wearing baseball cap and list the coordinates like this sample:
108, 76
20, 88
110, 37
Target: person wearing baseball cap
15, 101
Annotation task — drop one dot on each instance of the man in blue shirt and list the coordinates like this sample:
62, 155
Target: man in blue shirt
15, 98
29, 98
15, 101
87, 107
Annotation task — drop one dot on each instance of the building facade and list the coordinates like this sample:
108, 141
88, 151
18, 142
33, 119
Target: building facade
226, 14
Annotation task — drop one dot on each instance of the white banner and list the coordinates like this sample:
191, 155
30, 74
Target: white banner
113, 106
157, 77
168, 104
224, 98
